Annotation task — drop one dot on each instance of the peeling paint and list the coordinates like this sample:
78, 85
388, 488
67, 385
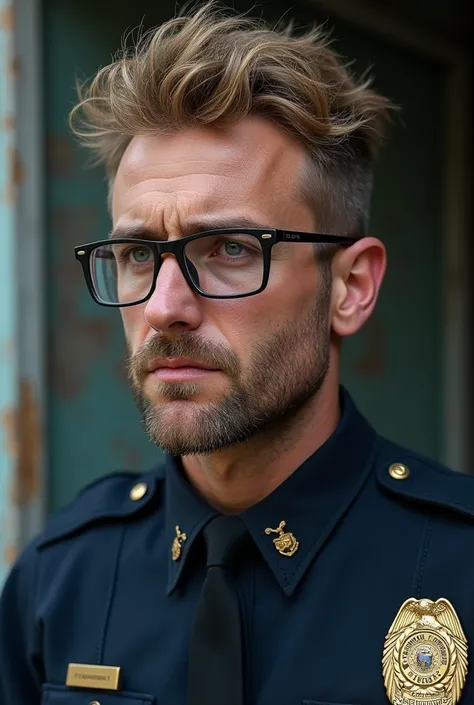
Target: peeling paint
27, 482
8, 422
9, 122
14, 66
17, 169
16, 175
6, 18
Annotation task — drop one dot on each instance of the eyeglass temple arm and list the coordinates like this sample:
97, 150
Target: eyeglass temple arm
314, 238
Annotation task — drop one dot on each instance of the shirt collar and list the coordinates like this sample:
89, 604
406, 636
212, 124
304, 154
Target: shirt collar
311, 502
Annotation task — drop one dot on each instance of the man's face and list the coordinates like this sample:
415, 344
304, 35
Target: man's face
266, 355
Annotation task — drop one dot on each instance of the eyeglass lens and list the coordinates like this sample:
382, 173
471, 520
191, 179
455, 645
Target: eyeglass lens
218, 264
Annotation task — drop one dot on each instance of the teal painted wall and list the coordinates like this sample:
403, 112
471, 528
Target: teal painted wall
393, 367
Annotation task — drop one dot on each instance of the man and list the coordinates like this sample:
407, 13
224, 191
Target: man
283, 553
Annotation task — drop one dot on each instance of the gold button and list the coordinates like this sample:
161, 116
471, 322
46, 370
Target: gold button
94, 702
398, 471
138, 491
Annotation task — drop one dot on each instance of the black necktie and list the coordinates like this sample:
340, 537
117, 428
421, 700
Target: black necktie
216, 661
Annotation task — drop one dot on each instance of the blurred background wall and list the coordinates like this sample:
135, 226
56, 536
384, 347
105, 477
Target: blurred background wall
66, 414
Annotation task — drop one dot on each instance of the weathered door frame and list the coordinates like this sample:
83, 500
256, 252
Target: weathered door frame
22, 457
28, 231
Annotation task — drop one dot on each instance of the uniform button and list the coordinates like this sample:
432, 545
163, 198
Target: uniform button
398, 471
94, 702
138, 491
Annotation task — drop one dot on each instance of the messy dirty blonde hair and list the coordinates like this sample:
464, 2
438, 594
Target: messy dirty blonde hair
207, 68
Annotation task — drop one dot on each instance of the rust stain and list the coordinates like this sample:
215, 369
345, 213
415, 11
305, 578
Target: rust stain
10, 554
373, 360
30, 445
6, 18
17, 167
16, 175
13, 66
8, 421
24, 444
9, 122
60, 156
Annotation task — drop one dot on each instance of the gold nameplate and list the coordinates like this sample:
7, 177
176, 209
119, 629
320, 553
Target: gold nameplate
425, 655
81, 675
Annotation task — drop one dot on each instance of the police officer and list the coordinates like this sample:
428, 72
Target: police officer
283, 553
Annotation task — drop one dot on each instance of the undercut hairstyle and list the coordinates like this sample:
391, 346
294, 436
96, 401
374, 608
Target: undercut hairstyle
209, 68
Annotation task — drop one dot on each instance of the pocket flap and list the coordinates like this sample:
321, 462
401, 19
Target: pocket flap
64, 695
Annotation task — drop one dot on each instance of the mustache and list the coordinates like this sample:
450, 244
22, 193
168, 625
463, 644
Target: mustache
195, 347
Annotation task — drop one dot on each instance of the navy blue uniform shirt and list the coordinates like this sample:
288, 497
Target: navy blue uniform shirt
100, 585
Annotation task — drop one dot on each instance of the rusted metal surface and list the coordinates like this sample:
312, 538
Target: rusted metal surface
9, 393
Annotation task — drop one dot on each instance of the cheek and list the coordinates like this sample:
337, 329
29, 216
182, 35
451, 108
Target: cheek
292, 289
287, 298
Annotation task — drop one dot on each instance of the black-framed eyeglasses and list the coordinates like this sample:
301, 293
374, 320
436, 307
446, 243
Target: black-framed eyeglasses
218, 264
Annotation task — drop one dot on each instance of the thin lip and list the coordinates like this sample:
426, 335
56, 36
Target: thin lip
177, 362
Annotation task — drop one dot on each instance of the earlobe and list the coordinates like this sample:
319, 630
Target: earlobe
359, 273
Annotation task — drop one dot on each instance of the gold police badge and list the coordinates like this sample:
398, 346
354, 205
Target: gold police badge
425, 655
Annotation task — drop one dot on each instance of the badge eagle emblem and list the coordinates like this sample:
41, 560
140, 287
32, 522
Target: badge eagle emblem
425, 655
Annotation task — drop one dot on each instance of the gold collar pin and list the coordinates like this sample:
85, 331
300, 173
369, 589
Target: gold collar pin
177, 544
285, 542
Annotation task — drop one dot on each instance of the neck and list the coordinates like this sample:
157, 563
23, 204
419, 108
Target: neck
238, 477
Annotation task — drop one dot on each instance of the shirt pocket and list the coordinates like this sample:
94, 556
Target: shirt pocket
63, 695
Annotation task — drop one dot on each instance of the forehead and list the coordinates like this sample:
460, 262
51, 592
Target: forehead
251, 167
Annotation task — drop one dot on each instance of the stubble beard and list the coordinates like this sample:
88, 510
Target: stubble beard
286, 370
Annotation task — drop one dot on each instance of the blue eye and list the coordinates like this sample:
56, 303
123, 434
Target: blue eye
233, 249
140, 255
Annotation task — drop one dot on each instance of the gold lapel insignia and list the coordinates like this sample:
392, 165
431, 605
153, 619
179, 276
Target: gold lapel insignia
285, 542
82, 675
425, 654
178, 541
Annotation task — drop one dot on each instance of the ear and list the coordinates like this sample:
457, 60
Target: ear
358, 272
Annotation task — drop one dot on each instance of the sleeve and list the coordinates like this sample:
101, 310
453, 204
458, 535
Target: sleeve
20, 662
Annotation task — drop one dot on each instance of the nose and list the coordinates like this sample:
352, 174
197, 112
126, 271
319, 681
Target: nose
173, 305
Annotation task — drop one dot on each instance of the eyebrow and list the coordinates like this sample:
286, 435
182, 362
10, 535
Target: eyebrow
192, 228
